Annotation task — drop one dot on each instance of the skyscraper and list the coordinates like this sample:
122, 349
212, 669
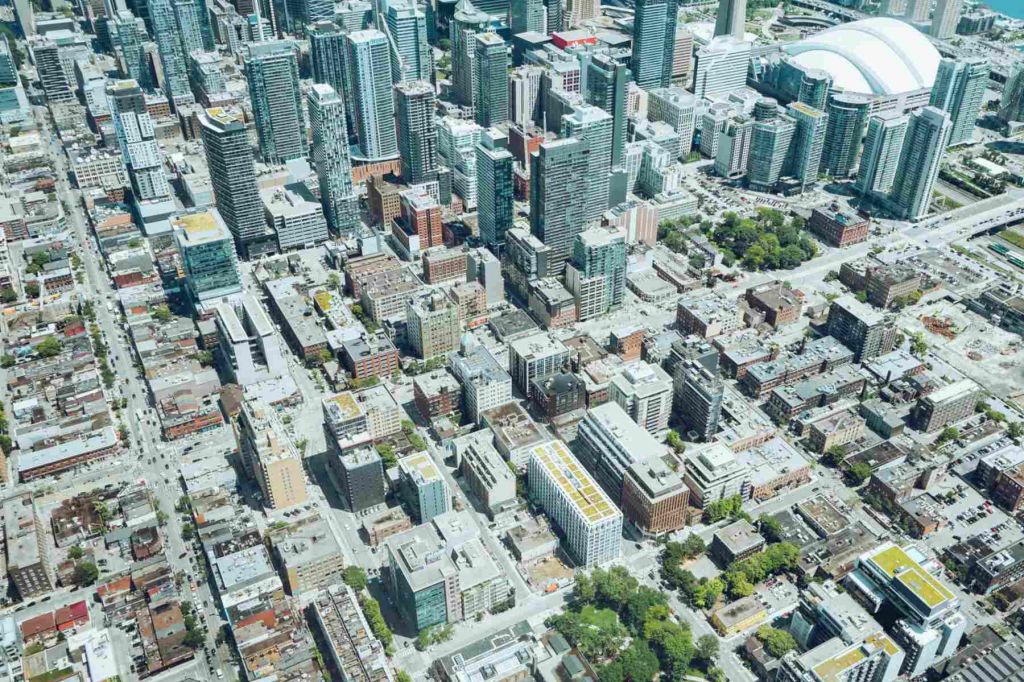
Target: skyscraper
130, 32
495, 208
654, 35
721, 67
327, 55
1011, 105
417, 135
370, 78
847, 118
808, 142
946, 17
407, 32
272, 73
814, 88
676, 107
527, 15
733, 153
959, 90
577, 11
769, 147
882, 147
172, 55
523, 91
193, 23
731, 19
558, 192
300, 13
466, 23
233, 176
596, 276
925, 142
207, 255
137, 140
331, 157
594, 128
490, 100
606, 88
917, 11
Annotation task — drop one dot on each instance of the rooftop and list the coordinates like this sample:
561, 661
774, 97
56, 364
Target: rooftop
894, 562
574, 481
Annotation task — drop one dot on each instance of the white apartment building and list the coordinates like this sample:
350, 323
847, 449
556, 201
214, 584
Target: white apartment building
644, 391
714, 474
590, 521
251, 351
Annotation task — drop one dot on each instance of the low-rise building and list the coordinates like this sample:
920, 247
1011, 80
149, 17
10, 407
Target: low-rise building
778, 303
436, 394
736, 541
837, 227
353, 649
739, 616
308, 555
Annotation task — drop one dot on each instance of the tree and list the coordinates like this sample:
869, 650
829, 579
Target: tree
75, 553
161, 313
188, 532
355, 577
918, 346
193, 639
48, 347
638, 662
834, 456
85, 574
770, 528
403, 676
7, 361
1015, 430
8, 295
776, 642
334, 281
387, 454
706, 649
949, 433
727, 508
675, 441
32, 289
858, 473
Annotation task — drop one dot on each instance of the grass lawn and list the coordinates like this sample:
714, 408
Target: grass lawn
1013, 237
601, 618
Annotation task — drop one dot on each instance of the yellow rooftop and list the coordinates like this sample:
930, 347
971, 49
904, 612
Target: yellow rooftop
574, 481
196, 223
422, 464
832, 668
898, 565
347, 405
880, 640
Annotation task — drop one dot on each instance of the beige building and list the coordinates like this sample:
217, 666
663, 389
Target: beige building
432, 326
270, 457
308, 555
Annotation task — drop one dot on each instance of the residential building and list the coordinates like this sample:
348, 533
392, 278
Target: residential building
417, 136
926, 140
136, 138
490, 82
435, 393
837, 227
959, 90
369, 63
883, 145
495, 208
654, 32
272, 72
654, 497
330, 152
559, 193
249, 348
432, 325
699, 393
613, 443
596, 276
485, 384
713, 474
589, 520
28, 560
931, 624
354, 651
644, 391
535, 357
735, 542
207, 256
423, 487
946, 406
233, 174
485, 472
847, 118
270, 456
606, 88
860, 328
406, 24
308, 555
808, 142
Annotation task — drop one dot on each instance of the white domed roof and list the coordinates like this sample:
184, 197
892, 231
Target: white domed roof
878, 56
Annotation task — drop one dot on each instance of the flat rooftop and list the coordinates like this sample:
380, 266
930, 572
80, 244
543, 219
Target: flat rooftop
574, 481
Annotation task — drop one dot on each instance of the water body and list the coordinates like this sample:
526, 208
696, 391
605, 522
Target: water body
1011, 8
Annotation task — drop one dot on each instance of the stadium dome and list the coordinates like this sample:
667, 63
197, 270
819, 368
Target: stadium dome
877, 56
